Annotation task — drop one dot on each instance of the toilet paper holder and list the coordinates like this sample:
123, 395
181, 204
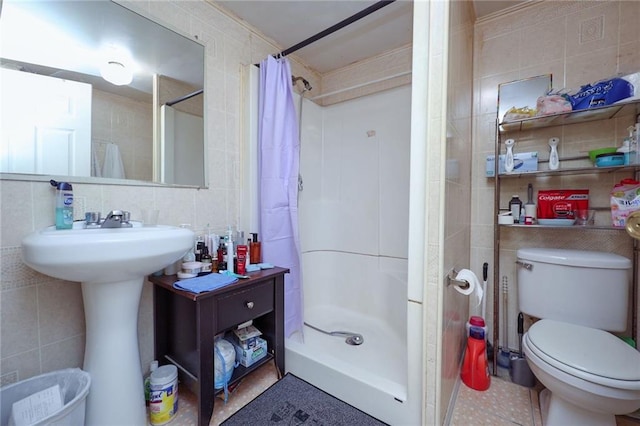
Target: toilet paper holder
451, 279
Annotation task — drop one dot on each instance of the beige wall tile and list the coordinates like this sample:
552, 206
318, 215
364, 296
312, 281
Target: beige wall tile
61, 313
19, 318
19, 367
67, 353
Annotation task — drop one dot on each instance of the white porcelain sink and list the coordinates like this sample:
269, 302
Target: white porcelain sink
111, 265
104, 254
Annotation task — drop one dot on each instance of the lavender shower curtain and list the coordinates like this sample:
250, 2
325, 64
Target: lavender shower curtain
278, 164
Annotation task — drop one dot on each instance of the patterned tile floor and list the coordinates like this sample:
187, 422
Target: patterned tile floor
503, 404
249, 388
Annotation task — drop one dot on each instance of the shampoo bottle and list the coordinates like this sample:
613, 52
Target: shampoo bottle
255, 256
64, 204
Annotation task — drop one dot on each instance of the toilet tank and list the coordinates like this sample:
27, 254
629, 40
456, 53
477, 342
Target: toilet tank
581, 287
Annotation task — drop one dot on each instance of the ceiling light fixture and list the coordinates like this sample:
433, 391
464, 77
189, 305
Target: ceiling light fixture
116, 73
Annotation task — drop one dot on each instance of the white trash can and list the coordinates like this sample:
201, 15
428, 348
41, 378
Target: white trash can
74, 386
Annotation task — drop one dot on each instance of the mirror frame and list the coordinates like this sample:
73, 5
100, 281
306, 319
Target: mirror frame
28, 177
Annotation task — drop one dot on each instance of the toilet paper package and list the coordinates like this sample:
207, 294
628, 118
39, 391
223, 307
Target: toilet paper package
625, 199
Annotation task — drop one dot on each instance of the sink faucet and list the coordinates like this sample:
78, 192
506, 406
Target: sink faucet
117, 219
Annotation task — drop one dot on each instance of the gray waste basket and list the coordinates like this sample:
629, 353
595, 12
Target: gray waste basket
74, 385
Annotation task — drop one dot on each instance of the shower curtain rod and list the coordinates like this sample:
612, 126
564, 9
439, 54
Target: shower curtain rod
369, 10
184, 98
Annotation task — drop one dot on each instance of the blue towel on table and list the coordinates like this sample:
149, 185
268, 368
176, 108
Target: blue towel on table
205, 283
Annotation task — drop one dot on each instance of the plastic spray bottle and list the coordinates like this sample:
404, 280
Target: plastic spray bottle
147, 382
64, 204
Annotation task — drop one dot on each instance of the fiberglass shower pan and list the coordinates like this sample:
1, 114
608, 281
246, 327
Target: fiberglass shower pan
353, 213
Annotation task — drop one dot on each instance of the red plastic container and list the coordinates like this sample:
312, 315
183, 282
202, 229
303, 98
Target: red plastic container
475, 368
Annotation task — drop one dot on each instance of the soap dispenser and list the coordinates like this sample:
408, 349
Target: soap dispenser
64, 204
508, 160
554, 159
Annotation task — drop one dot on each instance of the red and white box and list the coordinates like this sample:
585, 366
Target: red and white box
561, 203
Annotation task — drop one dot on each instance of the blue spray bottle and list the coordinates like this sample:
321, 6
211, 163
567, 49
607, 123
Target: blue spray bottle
64, 204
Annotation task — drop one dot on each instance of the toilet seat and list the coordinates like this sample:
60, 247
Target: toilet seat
590, 354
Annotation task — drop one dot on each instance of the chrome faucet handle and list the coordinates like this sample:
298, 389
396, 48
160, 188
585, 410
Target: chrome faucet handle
126, 216
113, 213
92, 218
113, 219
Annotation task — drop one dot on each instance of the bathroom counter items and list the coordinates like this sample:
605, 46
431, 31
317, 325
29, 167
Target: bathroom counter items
185, 324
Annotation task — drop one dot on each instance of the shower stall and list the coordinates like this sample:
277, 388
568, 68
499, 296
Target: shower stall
353, 217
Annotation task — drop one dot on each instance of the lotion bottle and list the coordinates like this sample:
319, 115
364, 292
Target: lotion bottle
255, 256
230, 251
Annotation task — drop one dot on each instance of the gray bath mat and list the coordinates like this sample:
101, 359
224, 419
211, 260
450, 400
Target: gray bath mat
292, 401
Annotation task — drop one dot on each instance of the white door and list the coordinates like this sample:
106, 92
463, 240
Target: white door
45, 125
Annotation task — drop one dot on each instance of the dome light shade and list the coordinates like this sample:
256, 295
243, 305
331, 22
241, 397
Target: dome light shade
116, 73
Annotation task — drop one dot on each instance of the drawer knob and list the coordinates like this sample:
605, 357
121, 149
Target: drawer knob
249, 305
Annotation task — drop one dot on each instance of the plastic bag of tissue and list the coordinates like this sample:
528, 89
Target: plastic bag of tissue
224, 365
514, 114
601, 93
553, 104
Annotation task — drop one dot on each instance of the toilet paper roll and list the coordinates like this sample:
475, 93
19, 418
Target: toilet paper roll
474, 288
505, 219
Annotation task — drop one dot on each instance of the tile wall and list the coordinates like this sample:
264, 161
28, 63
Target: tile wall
577, 42
457, 196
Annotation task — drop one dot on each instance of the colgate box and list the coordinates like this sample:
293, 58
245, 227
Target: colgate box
561, 203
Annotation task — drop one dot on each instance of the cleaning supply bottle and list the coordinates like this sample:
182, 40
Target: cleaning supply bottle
509, 163
475, 368
554, 158
64, 204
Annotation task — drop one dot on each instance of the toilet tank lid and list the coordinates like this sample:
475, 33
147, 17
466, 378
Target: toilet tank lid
586, 258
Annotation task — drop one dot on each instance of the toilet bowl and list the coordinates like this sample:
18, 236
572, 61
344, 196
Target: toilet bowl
592, 375
580, 297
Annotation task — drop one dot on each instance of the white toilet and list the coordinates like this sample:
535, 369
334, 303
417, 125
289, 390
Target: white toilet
590, 374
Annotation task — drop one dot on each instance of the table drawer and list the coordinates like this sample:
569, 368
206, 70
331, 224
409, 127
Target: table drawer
243, 305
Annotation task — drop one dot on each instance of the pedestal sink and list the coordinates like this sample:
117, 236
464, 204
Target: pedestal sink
111, 265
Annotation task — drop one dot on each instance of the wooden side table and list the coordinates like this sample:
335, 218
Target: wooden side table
185, 325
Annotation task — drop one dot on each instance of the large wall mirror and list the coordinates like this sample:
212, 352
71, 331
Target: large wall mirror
91, 89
